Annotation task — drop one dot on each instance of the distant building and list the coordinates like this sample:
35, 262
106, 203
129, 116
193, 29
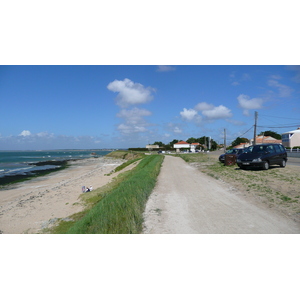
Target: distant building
194, 146
184, 145
152, 146
181, 145
291, 139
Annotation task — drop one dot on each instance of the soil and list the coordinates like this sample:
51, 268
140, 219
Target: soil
186, 200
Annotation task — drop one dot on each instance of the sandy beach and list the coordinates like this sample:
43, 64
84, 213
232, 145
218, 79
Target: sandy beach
31, 206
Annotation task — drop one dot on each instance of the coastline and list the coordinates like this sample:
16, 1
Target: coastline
35, 204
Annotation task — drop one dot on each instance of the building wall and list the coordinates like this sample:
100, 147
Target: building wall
291, 138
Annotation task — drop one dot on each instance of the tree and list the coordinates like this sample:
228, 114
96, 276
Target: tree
191, 140
238, 141
171, 144
160, 144
271, 133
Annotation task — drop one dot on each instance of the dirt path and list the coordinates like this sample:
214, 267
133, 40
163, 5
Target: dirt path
188, 201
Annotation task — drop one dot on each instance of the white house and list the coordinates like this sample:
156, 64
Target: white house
185, 145
193, 146
291, 138
181, 145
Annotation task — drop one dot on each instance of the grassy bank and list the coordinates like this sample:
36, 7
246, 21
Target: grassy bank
128, 155
118, 207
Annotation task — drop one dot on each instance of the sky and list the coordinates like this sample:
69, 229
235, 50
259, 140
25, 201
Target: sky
119, 106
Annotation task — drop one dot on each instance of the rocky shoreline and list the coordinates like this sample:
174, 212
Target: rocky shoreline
54, 165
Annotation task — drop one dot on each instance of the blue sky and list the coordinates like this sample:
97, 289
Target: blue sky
120, 106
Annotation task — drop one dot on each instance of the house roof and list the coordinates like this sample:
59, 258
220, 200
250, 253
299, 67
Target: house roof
267, 139
196, 144
182, 143
242, 145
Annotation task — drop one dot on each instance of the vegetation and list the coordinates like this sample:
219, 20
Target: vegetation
203, 141
271, 133
118, 208
238, 141
128, 155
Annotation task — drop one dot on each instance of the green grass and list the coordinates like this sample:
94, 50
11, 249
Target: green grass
120, 210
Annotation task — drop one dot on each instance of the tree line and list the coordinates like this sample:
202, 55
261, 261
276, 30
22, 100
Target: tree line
204, 141
208, 143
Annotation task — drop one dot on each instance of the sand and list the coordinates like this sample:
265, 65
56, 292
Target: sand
32, 206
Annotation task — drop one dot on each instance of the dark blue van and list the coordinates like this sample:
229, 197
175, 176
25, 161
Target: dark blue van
263, 156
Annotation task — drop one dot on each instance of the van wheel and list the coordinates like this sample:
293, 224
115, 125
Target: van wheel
283, 163
266, 165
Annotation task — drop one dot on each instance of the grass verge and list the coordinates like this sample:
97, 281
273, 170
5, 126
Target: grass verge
118, 208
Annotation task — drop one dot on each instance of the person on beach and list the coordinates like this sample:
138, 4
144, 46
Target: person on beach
87, 190
91, 188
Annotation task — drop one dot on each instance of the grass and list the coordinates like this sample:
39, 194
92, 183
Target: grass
117, 208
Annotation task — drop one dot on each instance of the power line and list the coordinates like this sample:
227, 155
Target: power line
282, 126
279, 117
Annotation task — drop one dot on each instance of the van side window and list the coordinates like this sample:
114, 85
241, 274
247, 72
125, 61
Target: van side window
277, 149
271, 149
281, 148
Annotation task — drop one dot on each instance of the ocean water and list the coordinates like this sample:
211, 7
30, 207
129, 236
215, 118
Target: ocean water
14, 163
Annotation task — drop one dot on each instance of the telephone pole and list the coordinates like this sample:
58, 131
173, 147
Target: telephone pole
224, 140
255, 125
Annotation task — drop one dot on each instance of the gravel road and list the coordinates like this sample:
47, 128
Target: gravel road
187, 201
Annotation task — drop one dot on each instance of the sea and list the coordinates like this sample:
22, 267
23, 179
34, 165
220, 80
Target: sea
18, 164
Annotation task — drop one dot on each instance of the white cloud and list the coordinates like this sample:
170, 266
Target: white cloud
165, 69
130, 93
246, 103
296, 69
177, 130
212, 112
25, 133
203, 106
237, 81
188, 114
134, 115
134, 120
218, 112
284, 90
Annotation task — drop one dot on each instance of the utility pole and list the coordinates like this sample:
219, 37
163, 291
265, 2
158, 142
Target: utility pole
224, 140
255, 125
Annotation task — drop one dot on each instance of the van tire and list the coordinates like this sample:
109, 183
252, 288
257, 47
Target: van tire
265, 165
283, 163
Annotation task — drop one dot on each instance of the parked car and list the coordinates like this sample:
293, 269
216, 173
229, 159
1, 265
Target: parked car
235, 152
263, 156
